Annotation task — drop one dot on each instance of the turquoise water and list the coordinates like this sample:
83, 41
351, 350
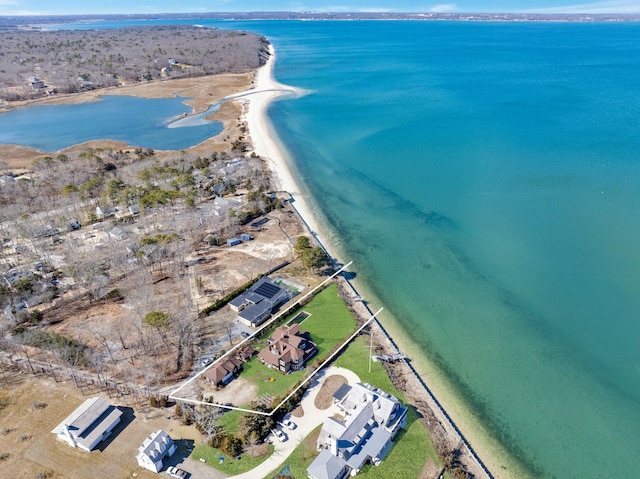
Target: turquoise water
484, 179
137, 121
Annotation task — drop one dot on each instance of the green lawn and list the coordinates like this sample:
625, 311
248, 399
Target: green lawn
229, 466
406, 459
302, 456
356, 358
329, 324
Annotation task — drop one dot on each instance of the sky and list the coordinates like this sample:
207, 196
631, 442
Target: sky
68, 7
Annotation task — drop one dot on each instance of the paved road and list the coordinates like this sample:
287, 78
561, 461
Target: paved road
311, 419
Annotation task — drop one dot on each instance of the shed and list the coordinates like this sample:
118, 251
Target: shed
233, 241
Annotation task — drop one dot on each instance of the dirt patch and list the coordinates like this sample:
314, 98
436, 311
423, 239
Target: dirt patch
324, 399
298, 412
430, 470
238, 392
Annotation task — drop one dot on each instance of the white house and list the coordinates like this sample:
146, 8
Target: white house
154, 449
364, 434
89, 424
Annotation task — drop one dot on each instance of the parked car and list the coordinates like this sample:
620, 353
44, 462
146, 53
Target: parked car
244, 334
206, 361
176, 472
289, 424
280, 436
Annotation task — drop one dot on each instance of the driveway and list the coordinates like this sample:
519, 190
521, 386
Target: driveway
311, 419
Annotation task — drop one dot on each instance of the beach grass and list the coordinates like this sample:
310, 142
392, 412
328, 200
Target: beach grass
229, 465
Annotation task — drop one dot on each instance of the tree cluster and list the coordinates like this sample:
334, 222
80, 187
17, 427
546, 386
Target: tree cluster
313, 258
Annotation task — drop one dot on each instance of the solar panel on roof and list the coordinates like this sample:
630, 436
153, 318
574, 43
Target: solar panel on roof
267, 290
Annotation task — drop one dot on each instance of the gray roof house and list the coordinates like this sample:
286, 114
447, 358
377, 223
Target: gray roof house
371, 419
256, 304
90, 423
154, 449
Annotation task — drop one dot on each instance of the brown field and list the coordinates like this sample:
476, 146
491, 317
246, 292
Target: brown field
29, 450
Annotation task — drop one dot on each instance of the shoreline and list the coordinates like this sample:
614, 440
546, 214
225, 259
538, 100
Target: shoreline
492, 457
266, 144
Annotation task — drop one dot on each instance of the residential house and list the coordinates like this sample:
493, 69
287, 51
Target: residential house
92, 422
36, 83
154, 449
118, 233
223, 372
105, 212
259, 302
370, 420
288, 349
221, 206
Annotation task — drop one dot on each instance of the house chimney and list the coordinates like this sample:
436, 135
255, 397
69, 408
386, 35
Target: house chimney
333, 445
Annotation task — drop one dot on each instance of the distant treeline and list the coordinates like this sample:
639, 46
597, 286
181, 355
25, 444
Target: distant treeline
36, 63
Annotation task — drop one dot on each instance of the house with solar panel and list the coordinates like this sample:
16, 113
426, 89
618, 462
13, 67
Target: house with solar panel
362, 434
261, 300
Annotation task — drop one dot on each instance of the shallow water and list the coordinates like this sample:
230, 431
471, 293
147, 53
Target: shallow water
136, 121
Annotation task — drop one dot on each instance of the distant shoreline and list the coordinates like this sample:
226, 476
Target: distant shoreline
42, 22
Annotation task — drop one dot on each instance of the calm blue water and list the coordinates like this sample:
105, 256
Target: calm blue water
136, 121
484, 179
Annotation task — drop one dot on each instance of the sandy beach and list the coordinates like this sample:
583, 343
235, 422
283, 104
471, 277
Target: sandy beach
266, 143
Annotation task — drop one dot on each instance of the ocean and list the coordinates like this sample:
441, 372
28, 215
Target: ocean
484, 179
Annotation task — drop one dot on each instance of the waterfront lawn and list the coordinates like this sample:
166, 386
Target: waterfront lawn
330, 323
411, 450
230, 465
356, 358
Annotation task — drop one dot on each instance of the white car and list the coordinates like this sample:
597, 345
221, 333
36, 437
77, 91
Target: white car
280, 436
289, 424
175, 472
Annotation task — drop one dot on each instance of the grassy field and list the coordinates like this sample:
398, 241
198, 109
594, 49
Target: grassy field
229, 465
